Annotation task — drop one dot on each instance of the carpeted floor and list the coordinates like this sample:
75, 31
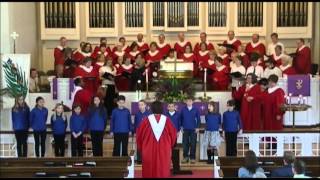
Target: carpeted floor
196, 174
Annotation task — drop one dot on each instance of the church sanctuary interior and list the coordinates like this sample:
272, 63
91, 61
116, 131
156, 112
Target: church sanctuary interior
160, 89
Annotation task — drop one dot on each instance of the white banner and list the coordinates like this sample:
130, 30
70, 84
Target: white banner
15, 72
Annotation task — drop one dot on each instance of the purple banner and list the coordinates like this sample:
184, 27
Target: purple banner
202, 106
55, 88
71, 87
299, 85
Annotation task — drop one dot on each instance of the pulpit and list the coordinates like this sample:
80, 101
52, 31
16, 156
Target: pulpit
177, 68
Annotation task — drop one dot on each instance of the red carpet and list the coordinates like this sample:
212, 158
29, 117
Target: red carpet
196, 174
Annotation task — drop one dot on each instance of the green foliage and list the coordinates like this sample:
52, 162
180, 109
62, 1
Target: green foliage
17, 84
174, 90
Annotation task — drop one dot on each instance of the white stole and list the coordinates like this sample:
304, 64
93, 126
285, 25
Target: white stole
157, 128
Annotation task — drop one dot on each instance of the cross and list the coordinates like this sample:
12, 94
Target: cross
14, 36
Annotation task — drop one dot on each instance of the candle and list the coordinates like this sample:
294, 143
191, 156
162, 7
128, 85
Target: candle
290, 94
300, 99
205, 75
147, 76
304, 100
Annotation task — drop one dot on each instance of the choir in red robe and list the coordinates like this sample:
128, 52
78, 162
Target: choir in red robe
250, 111
302, 61
143, 47
287, 70
180, 47
197, 47
234, 42
156, 153
272, 108
164, 49
255, 47
277, 59
58, 55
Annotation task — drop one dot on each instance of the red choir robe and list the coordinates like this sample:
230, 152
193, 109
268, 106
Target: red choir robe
58, 55
197, 47
211, 67
250, 111
191, 57
143, 47
124, 83
90, 77
69, 72
117, 54
277, 59
83, 97
302, 61
126, 48
272, 108
225, 59
156, 136
79, 56
287, 70
132, 55
245, 60
201, 58
235, 42
221, 78
164, 49
180, 47
97, 49
260, 99
257, 47
96, 67
94, 55
154, 58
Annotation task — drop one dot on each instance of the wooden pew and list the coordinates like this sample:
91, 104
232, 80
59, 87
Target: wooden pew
40, 162
28, 172
116, 167
232, 171
309, 160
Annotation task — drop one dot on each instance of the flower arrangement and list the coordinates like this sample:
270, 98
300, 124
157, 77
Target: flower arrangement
174, 90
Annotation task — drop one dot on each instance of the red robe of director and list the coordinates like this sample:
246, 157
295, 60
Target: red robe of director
156, 154
302, 61
180, 47
58, 55
164, 49
90, 77
197, 47
257, 47
83, 97
272, 108
250, 111
221, 78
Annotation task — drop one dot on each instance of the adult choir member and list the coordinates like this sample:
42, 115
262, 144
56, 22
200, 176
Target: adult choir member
275, 42
70, 64
120, 52
255, 46
142, 46
220, 76
124, 46
250, 106
232, 41
103, 49
163, 47
245, 58
203, 39
103, 40
222, 53
58, 51
156, 136
302, 61
286, 66
273, 115
277, 55
180, 46
153, 58
85, 52
134, 51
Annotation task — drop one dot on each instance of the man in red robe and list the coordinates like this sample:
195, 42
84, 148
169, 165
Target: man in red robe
250, 111
232, 41
302, 61
58, 51
142, 46
163, 47
103, 41
273, 115
255, 46
156, 136
180, 46
203, 38
125, 47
